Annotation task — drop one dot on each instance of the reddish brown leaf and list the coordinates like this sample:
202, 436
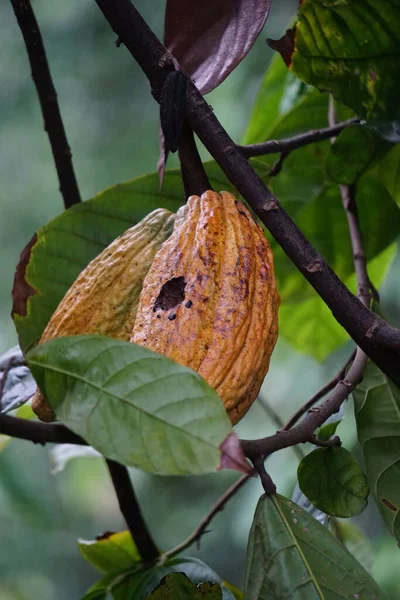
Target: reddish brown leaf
21, 289
210, 39
285, 45
232, 456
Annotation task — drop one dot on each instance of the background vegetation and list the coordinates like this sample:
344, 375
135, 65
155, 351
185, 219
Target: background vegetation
112, 125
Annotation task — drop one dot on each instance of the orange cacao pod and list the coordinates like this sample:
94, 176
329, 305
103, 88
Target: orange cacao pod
105, 296
209, 300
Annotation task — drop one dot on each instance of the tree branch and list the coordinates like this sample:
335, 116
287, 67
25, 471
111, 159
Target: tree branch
194, 177
315, 418
131, 511
201, 529
295, 142
48, 101
318, 395
37, 432
379, 340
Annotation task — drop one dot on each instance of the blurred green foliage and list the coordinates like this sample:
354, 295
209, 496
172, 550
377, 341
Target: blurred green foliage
112, 125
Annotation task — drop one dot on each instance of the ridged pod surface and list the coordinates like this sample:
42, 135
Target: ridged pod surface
209, 300
105, 296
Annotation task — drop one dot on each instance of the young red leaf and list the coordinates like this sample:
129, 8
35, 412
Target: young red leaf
210, 43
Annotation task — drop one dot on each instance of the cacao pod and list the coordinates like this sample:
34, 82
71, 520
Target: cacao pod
105, 296
209, 300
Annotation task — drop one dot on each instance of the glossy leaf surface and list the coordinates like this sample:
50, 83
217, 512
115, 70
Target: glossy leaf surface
333, 481
135, 406
291, 555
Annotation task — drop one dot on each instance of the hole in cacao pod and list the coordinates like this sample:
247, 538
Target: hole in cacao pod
172, 293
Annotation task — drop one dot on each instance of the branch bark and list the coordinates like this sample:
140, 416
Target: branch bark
195, 180
131, 511
379, 340
298, 141
38, 433
46, 91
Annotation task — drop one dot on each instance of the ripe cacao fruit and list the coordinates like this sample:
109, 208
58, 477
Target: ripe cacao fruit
105, 296
209, 300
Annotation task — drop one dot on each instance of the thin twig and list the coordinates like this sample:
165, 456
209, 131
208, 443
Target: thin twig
194, 177
131, 511
272, 414
201, 528
297, 141
372, 333
334, 442
266, 481
327, 387
46, 91
277, 166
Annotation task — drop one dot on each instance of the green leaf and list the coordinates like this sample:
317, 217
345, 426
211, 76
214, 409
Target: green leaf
291, 555
178, 586
327, 431
136, 406
333, 481
355, 541
353, 152
110, 552
377, 410
139, 585
65, 246
102, 589
279, 91
351, 48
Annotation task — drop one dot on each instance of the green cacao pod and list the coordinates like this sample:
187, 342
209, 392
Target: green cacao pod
209, 300
105, 296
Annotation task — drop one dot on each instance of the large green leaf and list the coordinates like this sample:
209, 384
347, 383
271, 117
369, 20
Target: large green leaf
352, 49
111, 552
353, 152
333, 481
291, 555
64, 247
176, 586
136, 406
377, 410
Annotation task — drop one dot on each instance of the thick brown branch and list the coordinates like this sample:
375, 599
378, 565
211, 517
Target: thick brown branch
48, 101
194, 177
201, 529
38, 433
131, 511
297, 141
380, 341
